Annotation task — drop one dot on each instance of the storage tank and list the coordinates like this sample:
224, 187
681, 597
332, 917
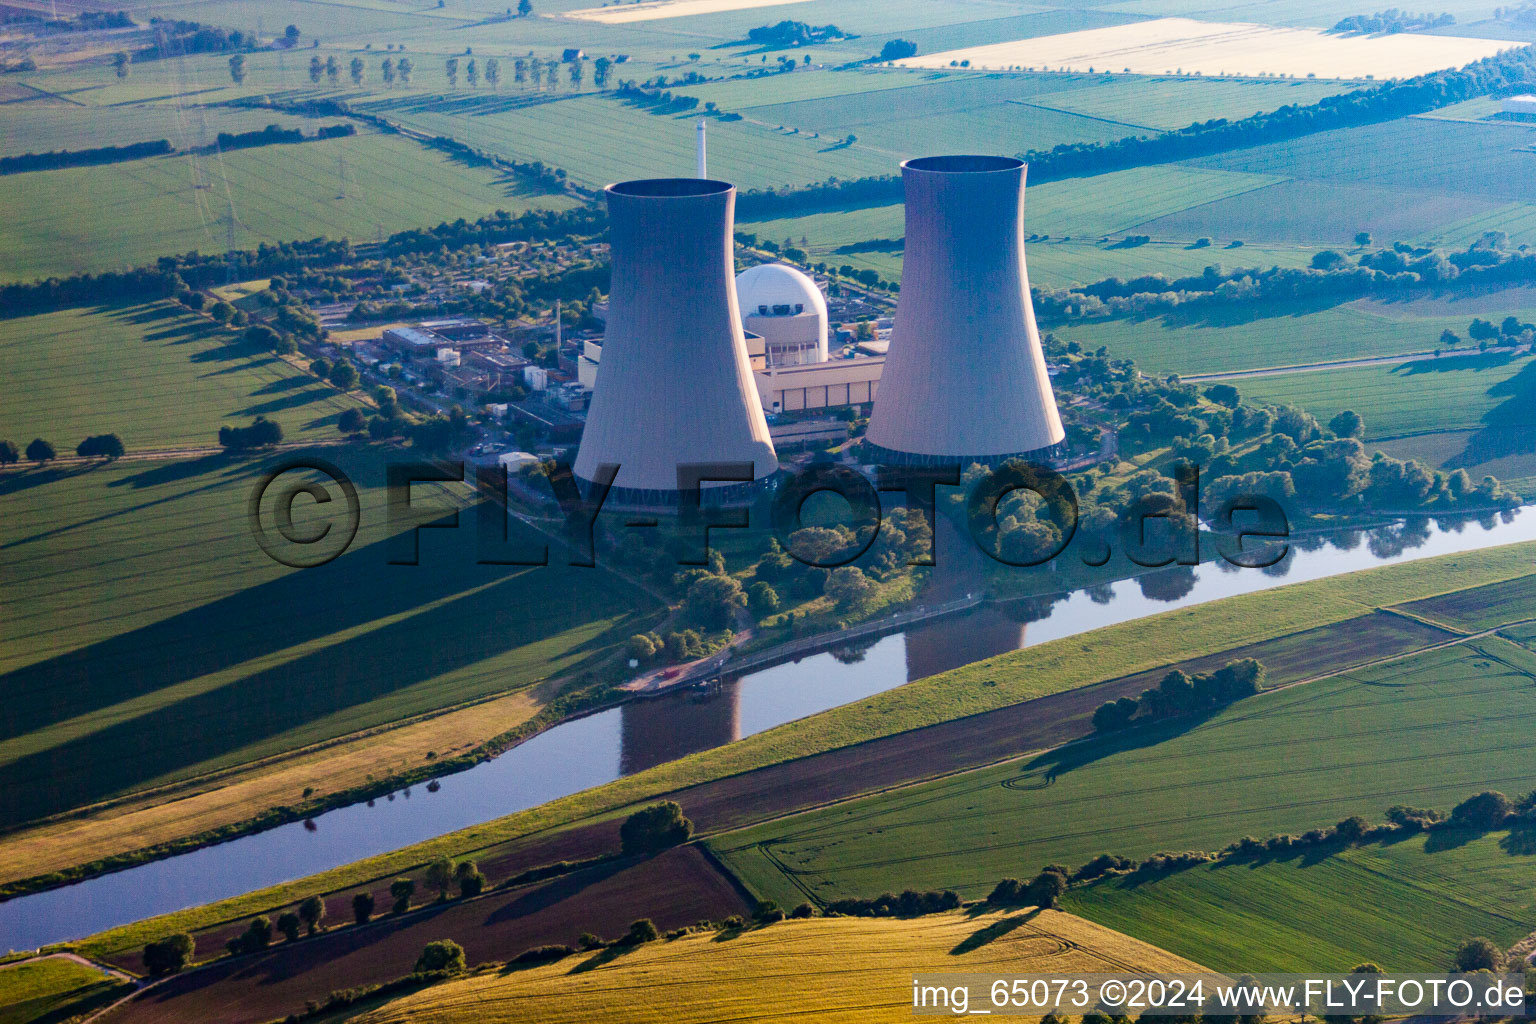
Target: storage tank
965, 377
675, 385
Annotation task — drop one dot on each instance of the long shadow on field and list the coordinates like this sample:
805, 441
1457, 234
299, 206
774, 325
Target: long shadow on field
1509, 428
294, 400
1048, 767
992, 932
445, 625
16, 481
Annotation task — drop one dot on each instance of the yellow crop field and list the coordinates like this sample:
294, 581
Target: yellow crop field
1184, 46
831, 970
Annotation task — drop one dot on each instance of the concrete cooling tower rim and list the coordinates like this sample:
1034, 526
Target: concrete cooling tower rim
962, 164
670, 188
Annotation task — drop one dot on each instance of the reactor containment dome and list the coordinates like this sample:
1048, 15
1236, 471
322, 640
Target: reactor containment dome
786, 308
965, 377
676, 387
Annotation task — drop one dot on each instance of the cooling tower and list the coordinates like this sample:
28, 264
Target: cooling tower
675, 385
964, 378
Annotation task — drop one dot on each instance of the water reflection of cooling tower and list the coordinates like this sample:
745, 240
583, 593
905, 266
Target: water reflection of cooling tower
949, 643
965, 377
676, 386
666, 728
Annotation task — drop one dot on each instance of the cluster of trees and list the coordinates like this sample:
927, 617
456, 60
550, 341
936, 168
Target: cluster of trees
105, 446
1179, 693
659, 101
909, 903
272, 135
1279, 451
793, 33
90, 21
262, 433
897, 49
653, 829
177, 38
1511, 71
84, 157
1043, 891
678, 645
1393, 20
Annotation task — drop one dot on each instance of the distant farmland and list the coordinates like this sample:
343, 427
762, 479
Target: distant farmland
1166, 45
119, 215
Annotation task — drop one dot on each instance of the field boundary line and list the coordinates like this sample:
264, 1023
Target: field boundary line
1090, 117
1425, 620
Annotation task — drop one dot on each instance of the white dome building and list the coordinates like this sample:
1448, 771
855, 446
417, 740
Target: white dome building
786, 308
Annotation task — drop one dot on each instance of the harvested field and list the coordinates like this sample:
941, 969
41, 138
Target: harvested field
1481, 607
1184, 46
831, 970
678, 887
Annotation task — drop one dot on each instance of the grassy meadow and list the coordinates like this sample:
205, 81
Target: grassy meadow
1404, 904
54, 990
147, 638
828, 969
156, 374
1429, 730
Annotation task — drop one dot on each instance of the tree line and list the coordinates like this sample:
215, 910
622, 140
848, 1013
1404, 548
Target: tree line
272, 135
55, 159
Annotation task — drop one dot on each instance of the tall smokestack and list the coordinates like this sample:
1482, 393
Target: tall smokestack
965, 377
675, 386
702, 173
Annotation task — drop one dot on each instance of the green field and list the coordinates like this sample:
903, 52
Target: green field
1376, 178
121, 215
1427, 730
146, 637
54, 990
601, 139
1405, 905
1168, 103
156, 375
1226, 339
1449, 393
38, 126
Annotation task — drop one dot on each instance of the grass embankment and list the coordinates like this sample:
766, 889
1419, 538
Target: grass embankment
1428, 729
152, 643
1048, 668
1405, 905
828, 969
55, 989
156, 374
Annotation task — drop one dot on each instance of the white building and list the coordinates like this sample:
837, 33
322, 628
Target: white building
787, 309
536, 377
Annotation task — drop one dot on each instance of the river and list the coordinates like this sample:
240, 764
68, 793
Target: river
601, 747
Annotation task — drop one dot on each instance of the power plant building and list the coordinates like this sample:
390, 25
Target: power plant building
676, 385
786, 308
964, 378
